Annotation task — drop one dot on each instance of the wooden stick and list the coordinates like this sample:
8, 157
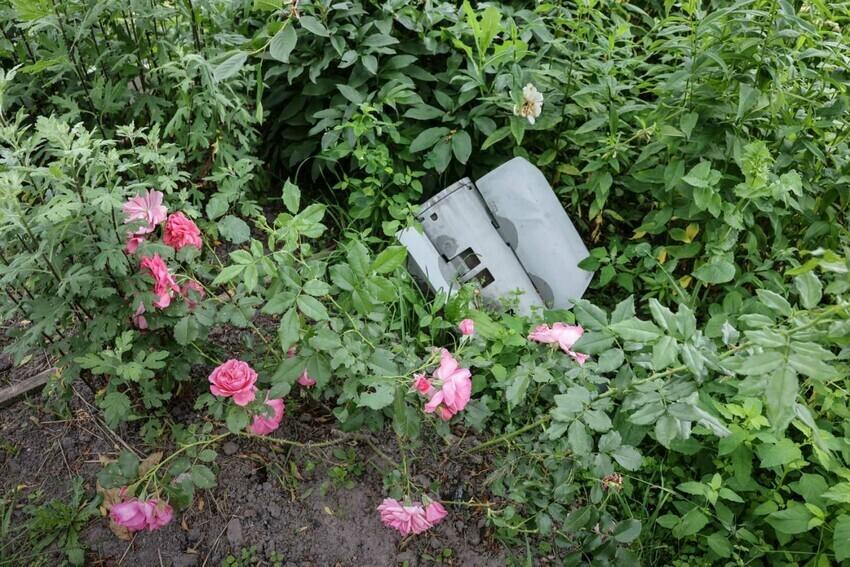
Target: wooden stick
11, 393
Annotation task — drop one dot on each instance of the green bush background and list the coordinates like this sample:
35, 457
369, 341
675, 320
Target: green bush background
700, 148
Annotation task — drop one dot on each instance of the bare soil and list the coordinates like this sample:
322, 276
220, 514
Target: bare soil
273, 505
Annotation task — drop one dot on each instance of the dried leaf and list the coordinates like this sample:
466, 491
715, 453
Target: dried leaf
120, 531
110, 496
150, 462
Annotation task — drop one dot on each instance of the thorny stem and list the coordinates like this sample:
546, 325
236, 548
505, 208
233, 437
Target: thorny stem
374, 448
205, 355
150, 474
510, 435
468, 504
308, 445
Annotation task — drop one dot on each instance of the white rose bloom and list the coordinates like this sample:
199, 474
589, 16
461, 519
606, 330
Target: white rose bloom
532, 103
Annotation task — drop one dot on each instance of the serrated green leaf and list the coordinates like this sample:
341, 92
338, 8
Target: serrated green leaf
717, 271
116, 408
636, 330
690, 524
775, 302
237, 419
389, 259
840, 537
316, 288
291, 197
793, 520
378, 399
185, 331
810, 289
312, 308
783, 452
234, 229
518, 385
289, 330
202, 477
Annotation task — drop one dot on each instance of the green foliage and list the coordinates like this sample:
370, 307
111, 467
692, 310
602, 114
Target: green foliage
59, 523
700, 148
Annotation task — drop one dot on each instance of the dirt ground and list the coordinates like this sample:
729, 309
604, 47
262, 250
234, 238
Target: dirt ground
273, 505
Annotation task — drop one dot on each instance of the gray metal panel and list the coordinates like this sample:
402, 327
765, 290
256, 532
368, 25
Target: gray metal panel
532, 220
458, 224
425, 263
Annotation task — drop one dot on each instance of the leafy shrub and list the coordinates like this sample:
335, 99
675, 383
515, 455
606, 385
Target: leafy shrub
66, 270
699, 147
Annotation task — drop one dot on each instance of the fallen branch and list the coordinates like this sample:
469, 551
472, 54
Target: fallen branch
12, 393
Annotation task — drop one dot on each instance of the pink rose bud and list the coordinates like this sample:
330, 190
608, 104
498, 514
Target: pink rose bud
264, 424
133, 243
305, 380
434, 513
234, 379
139, 320
192, 293
421, 383
181, 231
161, 514
467, 327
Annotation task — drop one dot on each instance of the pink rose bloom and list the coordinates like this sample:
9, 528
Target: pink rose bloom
305, 380
181, 231
131, 514
160, 514
405, 519
234, 379
133, 243
146, 207
192, 293
164, 283
563, 335
422, 384
435, 404
456, 388
263, 424
466, 327
434, 513
445, 413
139, 320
